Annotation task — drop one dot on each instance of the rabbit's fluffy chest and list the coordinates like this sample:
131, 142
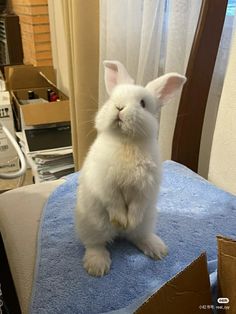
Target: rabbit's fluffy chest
133, 166
120, 164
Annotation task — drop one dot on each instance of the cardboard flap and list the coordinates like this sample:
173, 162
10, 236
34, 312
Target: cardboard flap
47, 79
23, 77
188, 292
227, 273
49, 73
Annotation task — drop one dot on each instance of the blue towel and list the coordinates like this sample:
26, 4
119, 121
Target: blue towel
191, 213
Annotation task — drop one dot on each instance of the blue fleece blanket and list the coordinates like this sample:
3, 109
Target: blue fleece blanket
192, 212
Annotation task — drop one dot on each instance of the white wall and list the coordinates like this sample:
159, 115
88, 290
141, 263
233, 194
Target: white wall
214, 97
222, 169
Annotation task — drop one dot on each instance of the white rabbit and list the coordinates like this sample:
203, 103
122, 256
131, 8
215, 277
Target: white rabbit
120, 178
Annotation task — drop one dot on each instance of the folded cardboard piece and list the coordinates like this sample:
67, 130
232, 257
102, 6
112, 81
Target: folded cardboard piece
226, 275
189, 292
19, 80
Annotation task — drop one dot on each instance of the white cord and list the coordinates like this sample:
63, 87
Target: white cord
23, 168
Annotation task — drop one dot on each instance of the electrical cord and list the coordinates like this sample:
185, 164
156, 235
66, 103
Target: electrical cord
22, 170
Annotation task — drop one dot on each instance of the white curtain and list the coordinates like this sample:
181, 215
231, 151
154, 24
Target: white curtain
131, 32
181, 24
150, 37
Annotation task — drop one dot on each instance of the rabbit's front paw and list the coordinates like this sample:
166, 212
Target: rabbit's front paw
153, 247
97, 261
119, 220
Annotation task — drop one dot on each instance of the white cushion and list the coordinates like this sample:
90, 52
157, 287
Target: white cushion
20, 212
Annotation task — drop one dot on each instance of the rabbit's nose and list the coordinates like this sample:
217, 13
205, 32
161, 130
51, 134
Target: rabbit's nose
119, 108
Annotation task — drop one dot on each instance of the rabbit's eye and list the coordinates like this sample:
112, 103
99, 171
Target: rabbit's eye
142, 103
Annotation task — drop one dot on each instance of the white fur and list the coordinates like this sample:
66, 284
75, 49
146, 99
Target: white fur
121, 175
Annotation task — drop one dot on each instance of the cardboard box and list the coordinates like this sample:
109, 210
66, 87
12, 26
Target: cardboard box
21, 79
8, 155
189, 292
226, 275
41, 113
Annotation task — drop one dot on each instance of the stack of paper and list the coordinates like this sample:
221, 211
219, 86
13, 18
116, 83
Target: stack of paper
50, 164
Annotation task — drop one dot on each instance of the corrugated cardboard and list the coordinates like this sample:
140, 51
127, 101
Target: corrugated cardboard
21, 79
27, 76
187, 293
226, 275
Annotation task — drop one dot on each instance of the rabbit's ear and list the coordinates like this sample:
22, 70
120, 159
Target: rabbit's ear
115, 73
164, 87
